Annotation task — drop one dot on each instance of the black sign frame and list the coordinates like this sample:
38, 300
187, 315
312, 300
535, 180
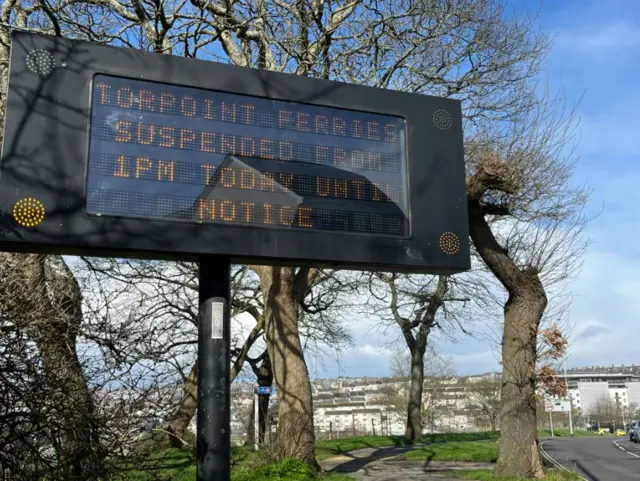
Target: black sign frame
44, 162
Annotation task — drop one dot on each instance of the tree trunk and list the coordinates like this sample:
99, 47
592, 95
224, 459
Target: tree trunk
519, 452
417, 345
42, 296
186, 410
265, 378
182, 416
295, 436
264, 373
56, 339
413, 429
263, 416
80, 451
251, 428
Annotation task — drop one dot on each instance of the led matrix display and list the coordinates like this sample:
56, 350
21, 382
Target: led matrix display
192, 155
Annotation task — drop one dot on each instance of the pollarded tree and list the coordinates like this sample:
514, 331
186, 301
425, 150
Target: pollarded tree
526, 222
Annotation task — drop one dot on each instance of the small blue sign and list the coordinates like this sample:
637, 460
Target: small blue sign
264, 390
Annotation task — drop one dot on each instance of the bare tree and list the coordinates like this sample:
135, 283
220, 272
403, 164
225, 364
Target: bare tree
146, 312
29, 423
393, 397
412, 303
603, 411
439, 372
283, 291
484, 397
633, 411
396, 395
40, 297
143, 315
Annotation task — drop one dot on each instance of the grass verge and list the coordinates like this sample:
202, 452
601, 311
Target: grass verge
565, 433
336, 447
487, 475
464, 451
286, 470
178, 465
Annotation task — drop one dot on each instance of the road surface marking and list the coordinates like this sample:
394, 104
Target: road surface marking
615, 443
556, 463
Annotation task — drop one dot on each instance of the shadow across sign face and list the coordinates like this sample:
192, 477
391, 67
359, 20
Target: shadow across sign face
184, 154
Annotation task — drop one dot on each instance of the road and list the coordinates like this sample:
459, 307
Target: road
597, 458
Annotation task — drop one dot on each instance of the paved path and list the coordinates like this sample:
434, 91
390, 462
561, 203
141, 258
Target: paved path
597, 458
377, 464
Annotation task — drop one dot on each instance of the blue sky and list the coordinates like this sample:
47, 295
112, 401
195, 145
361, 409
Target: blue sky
597, 45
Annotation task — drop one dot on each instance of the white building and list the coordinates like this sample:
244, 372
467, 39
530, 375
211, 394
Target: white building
589, 386
353, 406
346, 405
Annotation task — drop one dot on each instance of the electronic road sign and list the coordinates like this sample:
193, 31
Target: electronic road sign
117, 152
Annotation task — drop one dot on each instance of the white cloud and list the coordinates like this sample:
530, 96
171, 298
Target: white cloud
374, 351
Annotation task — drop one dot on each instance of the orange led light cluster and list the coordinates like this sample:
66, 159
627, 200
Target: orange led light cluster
28, 212
449, 243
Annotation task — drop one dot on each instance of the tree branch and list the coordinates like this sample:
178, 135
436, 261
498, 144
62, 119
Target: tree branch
495, 209
403, 322
244, 352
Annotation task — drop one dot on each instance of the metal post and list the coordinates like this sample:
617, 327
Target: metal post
213, 437
256, 420
566, 381
551, 422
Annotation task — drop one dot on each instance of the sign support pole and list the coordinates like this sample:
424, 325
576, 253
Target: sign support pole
213, 436
256, 420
